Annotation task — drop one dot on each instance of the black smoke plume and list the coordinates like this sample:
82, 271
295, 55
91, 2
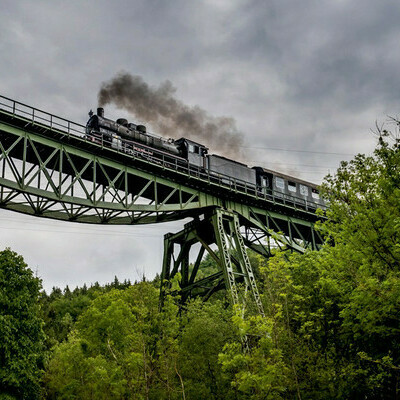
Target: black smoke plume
168, 116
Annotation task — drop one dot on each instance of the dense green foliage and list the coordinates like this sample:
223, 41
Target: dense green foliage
332, 317
122, 347
331, 327
21, 334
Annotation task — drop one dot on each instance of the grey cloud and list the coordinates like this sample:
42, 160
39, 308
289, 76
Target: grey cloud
308, 76
331, 51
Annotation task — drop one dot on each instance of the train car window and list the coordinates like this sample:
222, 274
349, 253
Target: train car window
304, 190
280, 183
315, 193
196, 149
265, 181
191, 148
291, 186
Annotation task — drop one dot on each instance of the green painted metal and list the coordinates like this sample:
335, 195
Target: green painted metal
219, 233
48, 169
44, 177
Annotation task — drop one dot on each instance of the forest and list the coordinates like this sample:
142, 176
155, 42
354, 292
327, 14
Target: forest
331, 328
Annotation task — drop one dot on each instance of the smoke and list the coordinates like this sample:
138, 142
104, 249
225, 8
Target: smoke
171, 117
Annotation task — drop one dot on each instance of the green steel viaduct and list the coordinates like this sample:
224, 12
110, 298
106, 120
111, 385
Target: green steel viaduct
49, 169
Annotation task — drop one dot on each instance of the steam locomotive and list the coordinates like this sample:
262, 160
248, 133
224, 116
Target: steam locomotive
135, 140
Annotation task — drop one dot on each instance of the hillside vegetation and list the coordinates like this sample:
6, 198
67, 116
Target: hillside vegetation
331, 329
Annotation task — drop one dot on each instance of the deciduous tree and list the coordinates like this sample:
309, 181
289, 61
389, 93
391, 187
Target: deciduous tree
21, 334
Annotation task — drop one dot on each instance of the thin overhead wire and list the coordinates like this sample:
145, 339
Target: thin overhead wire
299, 151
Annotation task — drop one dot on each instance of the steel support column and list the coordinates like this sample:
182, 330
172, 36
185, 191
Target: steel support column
221, 229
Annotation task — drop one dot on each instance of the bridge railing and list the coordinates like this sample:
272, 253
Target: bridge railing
33, 115
155, 156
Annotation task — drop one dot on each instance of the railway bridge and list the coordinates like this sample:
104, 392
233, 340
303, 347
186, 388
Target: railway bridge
49, 169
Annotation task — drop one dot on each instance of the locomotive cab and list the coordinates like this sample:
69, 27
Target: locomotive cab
194, 152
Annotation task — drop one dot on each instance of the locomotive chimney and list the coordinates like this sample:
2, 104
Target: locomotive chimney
100, 112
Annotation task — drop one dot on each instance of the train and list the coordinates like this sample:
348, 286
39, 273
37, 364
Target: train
185, 153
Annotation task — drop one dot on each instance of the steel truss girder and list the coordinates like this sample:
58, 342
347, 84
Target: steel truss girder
222, 229
44, 177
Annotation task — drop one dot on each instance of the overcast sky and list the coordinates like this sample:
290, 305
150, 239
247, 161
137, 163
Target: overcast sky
305, 82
